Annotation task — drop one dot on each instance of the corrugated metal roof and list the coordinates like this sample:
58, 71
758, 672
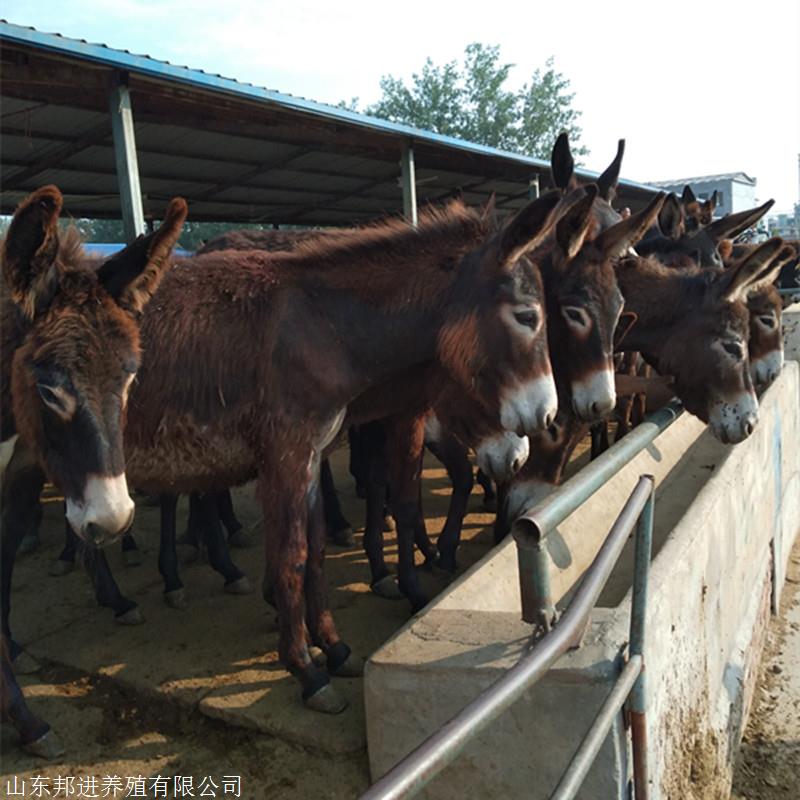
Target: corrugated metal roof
236, 151
741, 177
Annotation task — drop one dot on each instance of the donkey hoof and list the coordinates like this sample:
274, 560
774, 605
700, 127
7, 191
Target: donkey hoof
26, 664
60, 567
241, 539
351, 667
47, 746
387, 588
187, 553
133, 616
240, 586
388, 524
344, 537
326, 700
132, 558
176, 598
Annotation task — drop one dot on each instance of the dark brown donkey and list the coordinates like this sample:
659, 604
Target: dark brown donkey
692, 324
267, 351
70, 344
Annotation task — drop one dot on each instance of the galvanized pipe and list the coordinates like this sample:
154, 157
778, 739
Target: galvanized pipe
583, 759
425, 762
532, 528
637, 703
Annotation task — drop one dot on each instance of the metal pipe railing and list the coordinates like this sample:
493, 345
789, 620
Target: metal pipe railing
441, 748
532, 528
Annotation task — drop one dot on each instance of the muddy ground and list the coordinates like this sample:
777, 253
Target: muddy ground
199, 692
768, 767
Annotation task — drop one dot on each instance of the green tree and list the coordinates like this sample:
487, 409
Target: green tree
471, 102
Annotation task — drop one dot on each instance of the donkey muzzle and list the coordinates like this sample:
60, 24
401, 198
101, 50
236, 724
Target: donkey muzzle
733, 421
503, 455
104, 513
530, 407
595, 397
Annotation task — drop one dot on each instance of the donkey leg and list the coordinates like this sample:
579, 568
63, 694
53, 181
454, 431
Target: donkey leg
489, 495
22, 484
65, 562
421, 538
406, 445
238, 537
34, 733
131, 554
339, 529
31, 541
282, 490
502, 525
126, 611
357, 464
340, 660
455, 458
174, 594
219, 555
376, 479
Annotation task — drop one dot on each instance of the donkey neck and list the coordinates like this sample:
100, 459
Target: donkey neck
661, 297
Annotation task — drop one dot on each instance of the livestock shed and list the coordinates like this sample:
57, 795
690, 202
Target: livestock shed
120, 134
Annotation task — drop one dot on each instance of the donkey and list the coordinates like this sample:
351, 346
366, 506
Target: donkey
70, 339
267, 351
692, 324
697, 214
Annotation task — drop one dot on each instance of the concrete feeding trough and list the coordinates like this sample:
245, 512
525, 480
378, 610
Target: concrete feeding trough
725, 521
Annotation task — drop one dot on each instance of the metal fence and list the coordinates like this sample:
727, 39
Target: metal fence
415, 771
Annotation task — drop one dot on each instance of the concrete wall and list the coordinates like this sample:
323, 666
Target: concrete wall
725, 521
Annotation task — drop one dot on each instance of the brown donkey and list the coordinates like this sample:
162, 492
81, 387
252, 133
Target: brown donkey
267, 351
70, 344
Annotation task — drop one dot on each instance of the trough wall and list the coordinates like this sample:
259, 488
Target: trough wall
725, 517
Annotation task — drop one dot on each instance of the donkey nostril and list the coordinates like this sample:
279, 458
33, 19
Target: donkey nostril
94, 533
548, 419
517, 464
748, 428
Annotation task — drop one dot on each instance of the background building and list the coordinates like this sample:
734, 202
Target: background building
736, 190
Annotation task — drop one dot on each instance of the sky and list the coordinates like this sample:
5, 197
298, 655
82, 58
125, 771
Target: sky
695, 87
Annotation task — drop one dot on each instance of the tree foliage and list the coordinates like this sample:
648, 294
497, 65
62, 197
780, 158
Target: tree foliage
471, 102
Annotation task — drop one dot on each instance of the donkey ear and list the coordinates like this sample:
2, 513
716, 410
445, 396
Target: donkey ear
607, 182
562, 164
711, 203
670, 218
627, 319
30, 249
688, 195
618, 239
489, 212
730, 226
573, 227
734, 283
132, 276
528, 227
770, 273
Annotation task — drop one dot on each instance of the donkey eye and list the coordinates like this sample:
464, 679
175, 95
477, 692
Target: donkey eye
767, 322
528, 318
576, 315
50, 397
734, 349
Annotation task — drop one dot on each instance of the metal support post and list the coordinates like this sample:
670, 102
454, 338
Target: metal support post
130, 192
409, 180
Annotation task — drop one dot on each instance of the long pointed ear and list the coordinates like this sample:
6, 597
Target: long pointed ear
627, 319
528, 227
562, 164
30, 249
132, 276
771, 271
607, 182
670, 218
730, 226
572, 228
688, 195
489, 212
618, 239
711, 204
733, 283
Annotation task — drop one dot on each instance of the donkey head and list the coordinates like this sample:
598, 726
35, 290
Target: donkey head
707, 352
77, 354
494, 339
585, 304
697, 214
764, 305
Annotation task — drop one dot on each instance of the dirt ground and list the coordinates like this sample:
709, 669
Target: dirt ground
768, 767
198, 692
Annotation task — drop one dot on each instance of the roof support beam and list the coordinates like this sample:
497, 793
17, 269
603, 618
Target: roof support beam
409, 180
130, 193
